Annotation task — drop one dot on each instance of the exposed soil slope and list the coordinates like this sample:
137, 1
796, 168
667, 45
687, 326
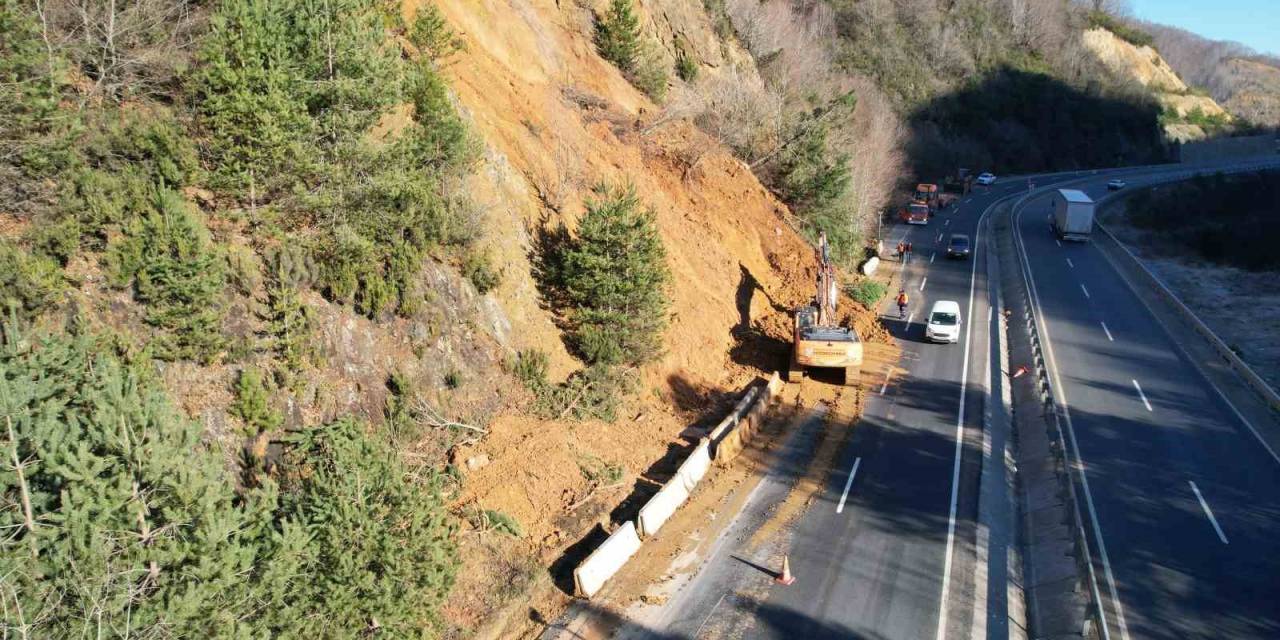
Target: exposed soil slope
555, 120
1145, 66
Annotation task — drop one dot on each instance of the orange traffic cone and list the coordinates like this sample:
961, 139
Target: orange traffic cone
785, 578
1021, 371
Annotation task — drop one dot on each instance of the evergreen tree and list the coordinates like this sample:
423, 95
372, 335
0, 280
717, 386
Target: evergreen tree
29, 79
119, 520
177, 277
29, 284
615, 279
381, 549
247, 90
291, 323
253, 403
618, 35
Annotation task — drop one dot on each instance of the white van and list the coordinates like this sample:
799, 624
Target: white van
943, 324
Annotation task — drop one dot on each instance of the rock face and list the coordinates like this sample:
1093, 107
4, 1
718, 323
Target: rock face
1145, 66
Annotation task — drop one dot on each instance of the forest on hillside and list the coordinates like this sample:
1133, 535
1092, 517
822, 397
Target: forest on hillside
861, 99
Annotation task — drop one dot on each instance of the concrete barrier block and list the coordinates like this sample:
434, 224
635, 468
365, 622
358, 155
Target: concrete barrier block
774, 386
662, 506
729, 422
606, 560
869, 267
696, 465
729, 446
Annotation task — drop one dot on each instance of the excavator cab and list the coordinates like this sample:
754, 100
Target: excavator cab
818, 341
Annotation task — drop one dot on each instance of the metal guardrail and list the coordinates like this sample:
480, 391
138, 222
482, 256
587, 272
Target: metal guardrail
1251, 377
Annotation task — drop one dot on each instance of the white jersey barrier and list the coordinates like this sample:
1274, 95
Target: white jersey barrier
606, 560
696, 465
662, 506
725, 440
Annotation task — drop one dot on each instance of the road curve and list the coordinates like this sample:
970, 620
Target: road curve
1186, 499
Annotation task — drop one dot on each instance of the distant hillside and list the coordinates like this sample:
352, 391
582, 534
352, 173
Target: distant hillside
1186, 115
1246, 84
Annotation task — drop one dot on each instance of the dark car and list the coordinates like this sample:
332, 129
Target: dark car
958, 247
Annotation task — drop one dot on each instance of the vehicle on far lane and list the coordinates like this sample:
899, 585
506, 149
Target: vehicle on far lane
1072, 217
986, 179
958, 246
944, 322
1115, 185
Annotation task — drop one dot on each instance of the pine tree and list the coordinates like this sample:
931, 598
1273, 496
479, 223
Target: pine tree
30, 80
291, 324
615, 279
180, 280
382, 545
127, 521
253, 403
248, 91
618, 35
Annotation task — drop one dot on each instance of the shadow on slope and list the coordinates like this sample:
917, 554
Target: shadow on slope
1014, 121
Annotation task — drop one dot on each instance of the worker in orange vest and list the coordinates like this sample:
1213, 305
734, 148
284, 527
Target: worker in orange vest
902, 303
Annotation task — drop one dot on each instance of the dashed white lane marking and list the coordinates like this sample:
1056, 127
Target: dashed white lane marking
909, 317
1059, 242
1070, 263
848, 483
1107, 331
926, 279
888, 371
966, 200
1086, 291
946, 223
988, 314
1207, 511
1142, 395
939, 238
932, 257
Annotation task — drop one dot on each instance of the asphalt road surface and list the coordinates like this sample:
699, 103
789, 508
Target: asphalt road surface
1186, 497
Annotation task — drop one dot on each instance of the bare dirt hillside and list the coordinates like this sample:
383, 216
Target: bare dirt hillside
1145, 66
555, 120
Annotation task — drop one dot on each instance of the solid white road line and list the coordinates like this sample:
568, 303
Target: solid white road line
1086, 291
1070, 263
1203, 505
955, 466
848, 483
926, 279
1141, 394
932, 257
1061, 392
1108, 331
888, 371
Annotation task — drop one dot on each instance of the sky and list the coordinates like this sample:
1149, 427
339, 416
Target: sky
1254, 23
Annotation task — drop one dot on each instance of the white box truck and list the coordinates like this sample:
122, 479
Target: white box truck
1072, 214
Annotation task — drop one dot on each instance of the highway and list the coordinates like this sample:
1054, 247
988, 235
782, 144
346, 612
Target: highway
1184, 499
1187, 499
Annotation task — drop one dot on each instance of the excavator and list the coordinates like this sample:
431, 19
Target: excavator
818, 341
